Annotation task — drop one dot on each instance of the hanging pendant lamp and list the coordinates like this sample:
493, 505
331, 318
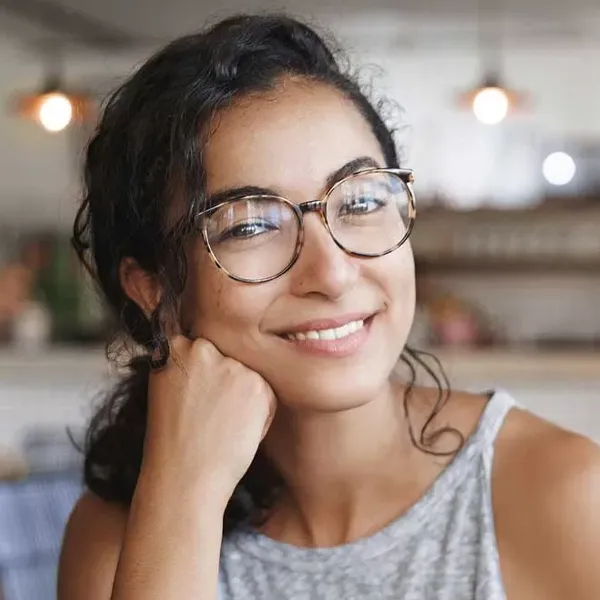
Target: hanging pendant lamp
53, 105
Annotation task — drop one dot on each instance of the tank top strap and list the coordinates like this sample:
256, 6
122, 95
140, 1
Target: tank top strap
494, 415
490, 423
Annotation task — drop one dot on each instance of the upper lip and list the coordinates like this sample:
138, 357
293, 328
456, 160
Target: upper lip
325, 323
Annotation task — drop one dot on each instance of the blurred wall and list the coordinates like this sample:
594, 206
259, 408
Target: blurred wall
39, 186
37, 178
449, 150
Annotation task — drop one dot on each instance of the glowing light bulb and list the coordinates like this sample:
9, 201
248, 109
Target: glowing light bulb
56, 112
559, 168
490, 105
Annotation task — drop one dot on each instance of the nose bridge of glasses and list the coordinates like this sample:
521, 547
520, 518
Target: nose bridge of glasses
310, 206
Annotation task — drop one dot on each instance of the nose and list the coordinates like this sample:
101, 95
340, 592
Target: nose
323, 267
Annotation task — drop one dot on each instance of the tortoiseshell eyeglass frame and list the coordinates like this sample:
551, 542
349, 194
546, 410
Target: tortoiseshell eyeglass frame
319, 206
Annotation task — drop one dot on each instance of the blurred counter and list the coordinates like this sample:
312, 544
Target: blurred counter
563, 386
59, 387
50, 389
55, 363
526, 364
520, 362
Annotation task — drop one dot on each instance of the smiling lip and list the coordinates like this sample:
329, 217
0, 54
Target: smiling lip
341, 347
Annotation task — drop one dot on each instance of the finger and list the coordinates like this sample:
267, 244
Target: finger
179, 347
204, 350
174, 350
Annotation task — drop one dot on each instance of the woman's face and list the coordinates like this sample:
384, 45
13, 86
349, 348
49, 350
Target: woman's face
292, 141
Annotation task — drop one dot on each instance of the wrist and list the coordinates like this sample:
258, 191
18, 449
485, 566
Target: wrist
203, 488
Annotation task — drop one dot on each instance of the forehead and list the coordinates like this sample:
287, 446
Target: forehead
290, 139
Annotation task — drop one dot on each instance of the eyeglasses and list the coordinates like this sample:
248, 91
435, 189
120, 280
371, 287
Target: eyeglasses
257, 238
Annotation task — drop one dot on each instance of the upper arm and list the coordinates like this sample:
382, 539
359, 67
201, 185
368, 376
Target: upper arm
91, 549
547, 505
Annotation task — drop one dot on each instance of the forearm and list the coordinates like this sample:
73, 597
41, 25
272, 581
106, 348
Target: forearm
172, 543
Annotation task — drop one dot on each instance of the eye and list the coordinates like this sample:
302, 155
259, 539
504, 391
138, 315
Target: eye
362, 205
247, 230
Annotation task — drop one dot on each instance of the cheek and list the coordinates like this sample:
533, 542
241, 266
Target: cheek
395, 274
395, 277
200, 278
205, 293
225, 312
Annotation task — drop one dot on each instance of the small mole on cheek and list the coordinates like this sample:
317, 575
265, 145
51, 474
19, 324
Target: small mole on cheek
219, 293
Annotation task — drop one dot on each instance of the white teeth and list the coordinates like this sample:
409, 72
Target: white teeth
328, 334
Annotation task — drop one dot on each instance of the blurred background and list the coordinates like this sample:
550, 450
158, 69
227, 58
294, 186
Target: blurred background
497, 110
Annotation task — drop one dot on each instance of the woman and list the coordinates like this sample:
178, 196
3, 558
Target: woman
247, 220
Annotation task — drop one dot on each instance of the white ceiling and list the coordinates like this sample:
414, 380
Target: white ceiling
405, 22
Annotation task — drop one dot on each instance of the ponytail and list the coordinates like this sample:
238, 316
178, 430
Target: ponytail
115, 437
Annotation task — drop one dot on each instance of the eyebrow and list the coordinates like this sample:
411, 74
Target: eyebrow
363, 162
351, 167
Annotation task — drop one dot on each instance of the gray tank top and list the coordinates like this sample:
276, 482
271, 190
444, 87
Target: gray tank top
443, 548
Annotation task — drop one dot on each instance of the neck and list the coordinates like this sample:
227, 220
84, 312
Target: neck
341, 469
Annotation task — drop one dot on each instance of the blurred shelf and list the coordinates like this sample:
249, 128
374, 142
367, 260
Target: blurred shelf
535, 363
52, 356
485, 265
518, 364
54, 364
541, 241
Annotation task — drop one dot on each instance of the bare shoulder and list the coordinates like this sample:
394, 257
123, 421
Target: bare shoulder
546, 492
91, 548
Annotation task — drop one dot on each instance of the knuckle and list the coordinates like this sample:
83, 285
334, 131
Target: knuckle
202, 348
179, 342
178, 346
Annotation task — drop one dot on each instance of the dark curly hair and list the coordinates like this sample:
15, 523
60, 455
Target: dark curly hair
147, 150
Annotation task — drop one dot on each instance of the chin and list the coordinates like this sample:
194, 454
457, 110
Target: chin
331, 391
324, 402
